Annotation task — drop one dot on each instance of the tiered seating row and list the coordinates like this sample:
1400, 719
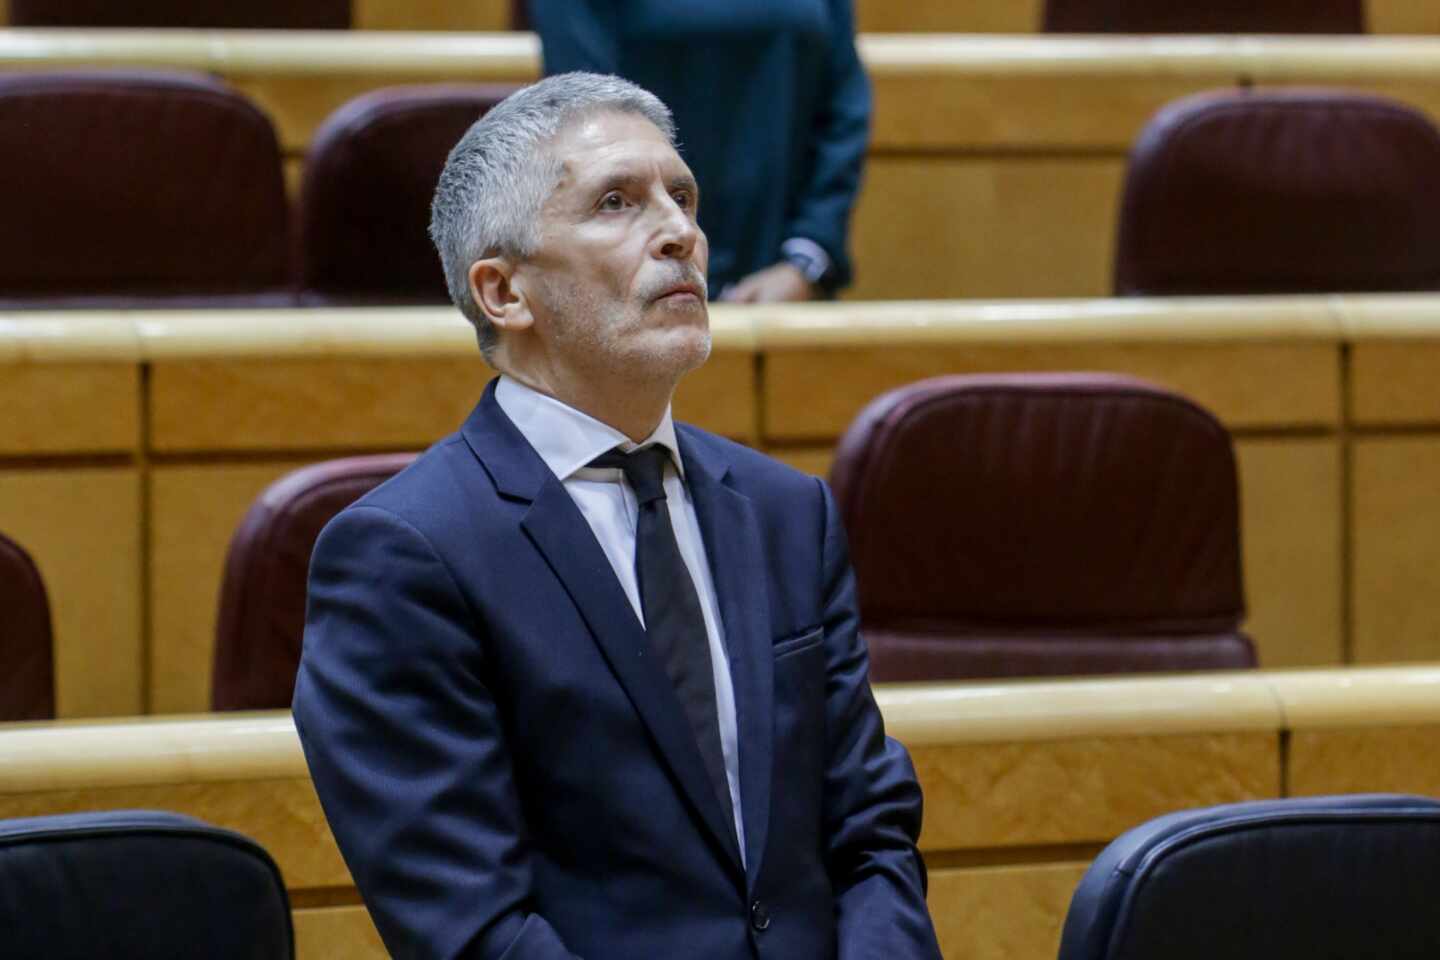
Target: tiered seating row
1023, 782
134, 442
996, 162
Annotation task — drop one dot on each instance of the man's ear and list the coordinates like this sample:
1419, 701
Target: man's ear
503, 303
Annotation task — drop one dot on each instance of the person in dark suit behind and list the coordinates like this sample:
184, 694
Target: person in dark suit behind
582, 681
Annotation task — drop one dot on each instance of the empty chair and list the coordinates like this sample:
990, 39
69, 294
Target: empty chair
252, 14
1042, 524
139, 885
369, 180
1348, 876
138, 188
1212, 16
262, 598
27, 671
1298, 191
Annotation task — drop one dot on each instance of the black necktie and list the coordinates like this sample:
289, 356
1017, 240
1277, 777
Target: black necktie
673, 621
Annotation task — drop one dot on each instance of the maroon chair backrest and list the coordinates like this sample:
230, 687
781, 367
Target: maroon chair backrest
27, 659
1042, 525
219, 14
1300, 191
1204, 16
262, 598
137, 188
369, 181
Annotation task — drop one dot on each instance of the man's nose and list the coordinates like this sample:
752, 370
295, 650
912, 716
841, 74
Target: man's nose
677, 234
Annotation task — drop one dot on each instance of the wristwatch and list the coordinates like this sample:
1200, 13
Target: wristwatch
812, 261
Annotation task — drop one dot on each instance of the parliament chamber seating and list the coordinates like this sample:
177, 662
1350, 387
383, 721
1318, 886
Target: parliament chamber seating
369, 179
212, 14
262, 598
1294, 191
1042, 524
133, 188
138, 885
1291, 879
1212, 16
27, 669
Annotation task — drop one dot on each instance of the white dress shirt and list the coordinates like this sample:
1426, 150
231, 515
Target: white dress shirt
567, 440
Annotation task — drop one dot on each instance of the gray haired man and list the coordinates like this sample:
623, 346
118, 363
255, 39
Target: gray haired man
583, 681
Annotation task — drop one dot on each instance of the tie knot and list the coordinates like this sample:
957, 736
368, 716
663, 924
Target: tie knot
644, 470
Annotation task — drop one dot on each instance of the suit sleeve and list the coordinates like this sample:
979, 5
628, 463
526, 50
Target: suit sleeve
872, 797
577, 35
840, 134
404, 745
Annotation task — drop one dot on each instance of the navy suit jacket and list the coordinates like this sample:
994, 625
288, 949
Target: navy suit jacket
508, 770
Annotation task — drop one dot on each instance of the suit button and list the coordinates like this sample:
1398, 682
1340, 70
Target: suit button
759, 916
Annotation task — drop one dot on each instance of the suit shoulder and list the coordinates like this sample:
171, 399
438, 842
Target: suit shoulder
426, 491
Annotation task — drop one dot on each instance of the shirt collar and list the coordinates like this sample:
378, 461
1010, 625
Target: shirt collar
567, 439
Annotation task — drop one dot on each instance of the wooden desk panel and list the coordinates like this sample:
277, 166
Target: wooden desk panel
1292, 540
82, 527
940, 226
69, 408
1043, 793
1396, 549
1002, 913
194, 511
815, 393
311, 404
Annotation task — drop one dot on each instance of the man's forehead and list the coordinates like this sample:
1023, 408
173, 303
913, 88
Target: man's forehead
612, 133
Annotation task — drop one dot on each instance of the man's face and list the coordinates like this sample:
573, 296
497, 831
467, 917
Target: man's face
617, 281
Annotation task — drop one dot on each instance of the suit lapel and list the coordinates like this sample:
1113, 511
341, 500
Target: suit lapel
734, 548
562, 535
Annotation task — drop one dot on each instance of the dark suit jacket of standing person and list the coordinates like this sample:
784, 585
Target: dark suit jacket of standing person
771, 104
509, 772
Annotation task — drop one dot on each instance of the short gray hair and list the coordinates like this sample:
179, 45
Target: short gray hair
498, 177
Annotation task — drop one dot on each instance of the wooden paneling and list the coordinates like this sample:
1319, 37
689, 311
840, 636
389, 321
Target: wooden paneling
1396, 543
1006, 109
1002, 913
1394, 382
430, 14
1402, 16
1399, 759
82, 527
69, 407
194, 511
815, 393
947, 16
283, 404
1291, 527
337, 933
940, 227
1009, 794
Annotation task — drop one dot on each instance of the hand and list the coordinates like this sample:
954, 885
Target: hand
776, 283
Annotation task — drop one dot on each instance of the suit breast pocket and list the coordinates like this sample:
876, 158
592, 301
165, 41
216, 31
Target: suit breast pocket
800, 711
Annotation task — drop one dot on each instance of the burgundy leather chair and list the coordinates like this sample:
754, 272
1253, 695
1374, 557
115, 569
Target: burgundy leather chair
262, 598
1042, 525
1209, 16
135, 188
27, 669
1285, 191
369, 181
219, 14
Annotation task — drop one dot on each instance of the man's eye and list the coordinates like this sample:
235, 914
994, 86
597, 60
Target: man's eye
683, 199
612, 201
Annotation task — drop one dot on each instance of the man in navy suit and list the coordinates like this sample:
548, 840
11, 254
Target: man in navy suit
582, 681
